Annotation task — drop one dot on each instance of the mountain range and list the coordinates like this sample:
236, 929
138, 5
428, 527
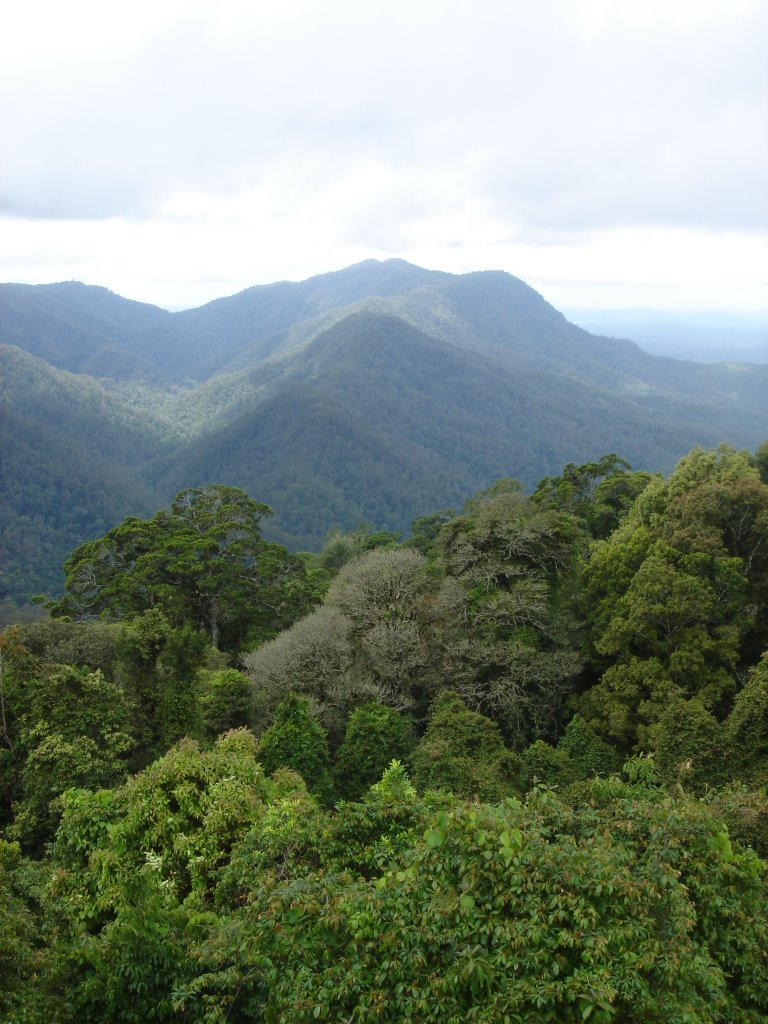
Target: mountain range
375, 393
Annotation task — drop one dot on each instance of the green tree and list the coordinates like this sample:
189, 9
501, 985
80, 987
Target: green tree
598, 493
181, 816
690, 746
586, 754
76, 731
675, 597
463, 752
157, 664
297, 741
202, 562
746, 729
89, 644
341, 547
226, 702
580, 755
426, 529
375, 736
636, 907
509, 637
544, 764
23, 958
135, 872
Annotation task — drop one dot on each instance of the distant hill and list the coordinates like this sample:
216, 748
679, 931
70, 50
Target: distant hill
706, 337
378, 421
375, 393
72, 463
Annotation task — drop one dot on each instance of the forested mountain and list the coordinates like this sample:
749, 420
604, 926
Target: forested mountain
373, 393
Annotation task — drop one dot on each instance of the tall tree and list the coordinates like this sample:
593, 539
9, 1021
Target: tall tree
202, 562
676, 597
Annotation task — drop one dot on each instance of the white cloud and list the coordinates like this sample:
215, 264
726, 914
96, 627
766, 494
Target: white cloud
198, 146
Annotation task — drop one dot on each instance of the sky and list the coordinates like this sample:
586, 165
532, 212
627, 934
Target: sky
612, 154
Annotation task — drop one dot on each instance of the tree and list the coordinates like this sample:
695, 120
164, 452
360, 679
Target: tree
690, 747
463, 752
382, 595
375, 736
22, 960
297, 741
635, 907
202, 562
585, 753
746, 729
598, 493
580, 755
157, 664
226, 702
181, 816
675, 598
341, 547
89, 644
312, 658
135, 872
509, 639
426, 529
77, 731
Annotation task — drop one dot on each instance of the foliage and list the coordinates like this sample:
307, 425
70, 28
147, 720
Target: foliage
745, 813
22, 961
218, 885
297, 741
674, 597
690, 746
157, 663
543, 764
76, 730
746, 729
586, 753
382, 596
89, 644
509, 636
312, 658
226, 702
598, 493
426, 529
202, 562
375, 736
580, 755
462, 752
635, 908
181, 816
341, 547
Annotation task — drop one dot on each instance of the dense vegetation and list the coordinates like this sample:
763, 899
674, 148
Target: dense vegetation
366, 395
514, 768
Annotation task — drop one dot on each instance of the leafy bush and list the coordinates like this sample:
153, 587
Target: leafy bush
297, 741
375, 736
463, 752
226, 702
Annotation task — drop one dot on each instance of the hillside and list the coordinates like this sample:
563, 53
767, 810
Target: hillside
375, 393
379, 422
73, 462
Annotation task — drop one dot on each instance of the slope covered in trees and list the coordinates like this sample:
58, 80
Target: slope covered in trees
369, 394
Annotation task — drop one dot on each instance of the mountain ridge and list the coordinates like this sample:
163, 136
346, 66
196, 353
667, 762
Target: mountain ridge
381, 391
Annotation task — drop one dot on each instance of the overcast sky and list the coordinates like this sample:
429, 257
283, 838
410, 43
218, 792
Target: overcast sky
612, 153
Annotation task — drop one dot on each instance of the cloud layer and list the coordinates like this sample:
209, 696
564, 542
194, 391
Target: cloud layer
300, 136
